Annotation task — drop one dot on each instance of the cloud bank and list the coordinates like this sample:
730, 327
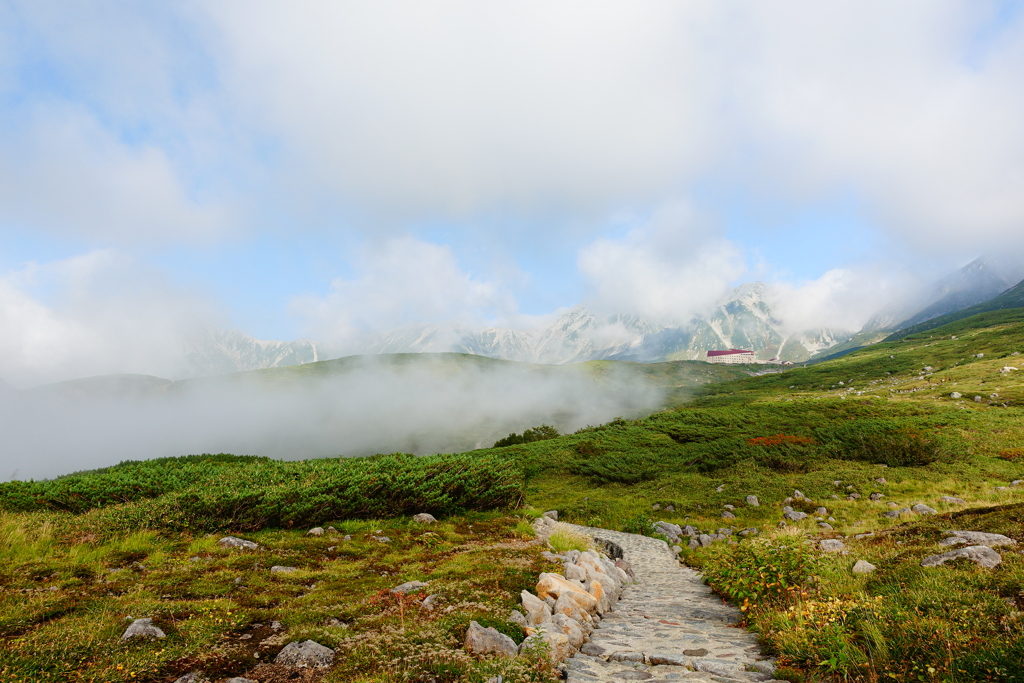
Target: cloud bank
422, 406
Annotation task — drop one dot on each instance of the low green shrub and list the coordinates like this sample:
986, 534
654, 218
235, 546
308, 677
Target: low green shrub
769, 570
540, 433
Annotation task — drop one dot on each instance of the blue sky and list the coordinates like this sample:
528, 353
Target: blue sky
327, 169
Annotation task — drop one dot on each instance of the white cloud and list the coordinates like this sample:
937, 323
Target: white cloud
669, 269
841, 299
94, 314
400, 280
65, 174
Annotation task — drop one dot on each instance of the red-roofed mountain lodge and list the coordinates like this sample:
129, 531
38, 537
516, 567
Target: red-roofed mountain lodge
731, 356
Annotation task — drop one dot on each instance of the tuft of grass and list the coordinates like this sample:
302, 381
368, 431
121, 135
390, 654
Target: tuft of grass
563, 539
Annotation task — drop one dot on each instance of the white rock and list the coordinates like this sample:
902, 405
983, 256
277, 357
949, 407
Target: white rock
305, 655
142, 628
976, 538
979, 554
863, 567
235, 542
484, 641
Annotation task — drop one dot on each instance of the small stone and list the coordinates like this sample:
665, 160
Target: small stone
424, 518
923, 509
976, 538
752, 501
192, 677
516, 617
823, 512
978, 399
729, 507
750, 531
655, 507
275, 626
235, 542
956, 394
953, 500
881, 480
315, 531
331, 530
279, 569
409, 586
798, 495
825, 525
795, 515
670, 508
381, 539
1017, 482
142, 628
483, 641
430, 602
831, 545
876, 496
728, 515
720, 488
863, 567
551, 514
307, 654
853, 496
347, 537
894, 514
981, 555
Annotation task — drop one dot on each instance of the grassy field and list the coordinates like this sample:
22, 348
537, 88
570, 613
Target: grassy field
882, 420
67, 597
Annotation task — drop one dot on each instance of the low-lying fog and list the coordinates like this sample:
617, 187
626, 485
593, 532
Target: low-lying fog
423, 404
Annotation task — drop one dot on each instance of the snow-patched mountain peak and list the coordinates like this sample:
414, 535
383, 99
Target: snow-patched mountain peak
219, 352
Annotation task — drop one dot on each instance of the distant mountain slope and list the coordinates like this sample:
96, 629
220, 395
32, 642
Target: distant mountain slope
743, 319
1011, 298
978, 281
219, 352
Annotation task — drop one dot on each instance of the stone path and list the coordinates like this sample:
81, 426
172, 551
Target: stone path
668, 626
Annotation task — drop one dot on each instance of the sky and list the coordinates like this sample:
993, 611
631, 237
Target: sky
327, 170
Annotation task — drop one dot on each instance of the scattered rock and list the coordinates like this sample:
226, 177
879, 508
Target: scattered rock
795, 515
720, 488
853, 496
331, 530
305, 655
894, 514
430, 602
425, 518
863, 567
831, 545
750, 531
551, 514
655, 507
752, 501
798, 495
485, 641
876, 496
978, 399
953, 500
192, 677
867, 535
235, 542
408, 587
728, 515
670, 508
381, 539
315, 531
557, 644
956, 394
142, 628
923, 509
825, 525
976, 538
516, 617
981, 555
1017, 482
1002, 488
823, 512
881, 480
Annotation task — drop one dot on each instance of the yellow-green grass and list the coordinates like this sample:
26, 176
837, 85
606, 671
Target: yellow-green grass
66, 598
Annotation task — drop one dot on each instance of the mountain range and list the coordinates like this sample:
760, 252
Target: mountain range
742, 319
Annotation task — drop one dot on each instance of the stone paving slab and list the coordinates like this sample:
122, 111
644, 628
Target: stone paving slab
668, 626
